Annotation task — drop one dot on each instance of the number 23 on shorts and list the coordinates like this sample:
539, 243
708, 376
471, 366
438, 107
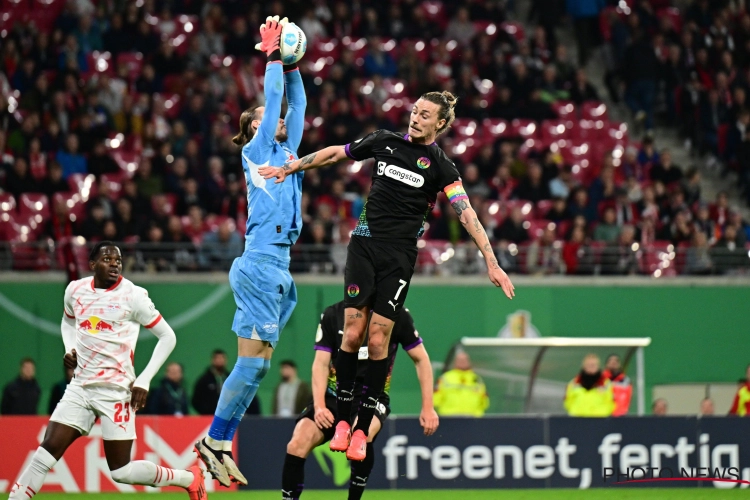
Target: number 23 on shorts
122, 412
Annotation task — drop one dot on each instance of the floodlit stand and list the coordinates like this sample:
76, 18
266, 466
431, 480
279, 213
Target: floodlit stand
529, 375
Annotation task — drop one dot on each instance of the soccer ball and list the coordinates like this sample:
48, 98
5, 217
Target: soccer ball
293, 43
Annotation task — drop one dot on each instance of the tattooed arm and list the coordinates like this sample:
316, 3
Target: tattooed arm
323, 158
470, 220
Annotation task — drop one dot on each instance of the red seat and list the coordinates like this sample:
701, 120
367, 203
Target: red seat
164, 204
515, 30
7, 203
527, 208
616, 132
433, 253
33, 209
658, 257
326, 47
420, 48
214, 221
356, 45
83, 184
587, 130
74, 202
536, 227
564, 109
593, 110
542, 207
523, 128
674, 15
114, 184
495, 128
434, 11
463, 149
128, 161
133, 61
554, 130
466, 127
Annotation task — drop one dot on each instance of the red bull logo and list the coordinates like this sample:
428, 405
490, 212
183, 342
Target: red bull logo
94, 325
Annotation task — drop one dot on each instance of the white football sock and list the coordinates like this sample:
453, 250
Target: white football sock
214, 444
150, 474
226, 446
31, 479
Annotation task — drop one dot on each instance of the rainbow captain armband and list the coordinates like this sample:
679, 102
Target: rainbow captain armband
455, 192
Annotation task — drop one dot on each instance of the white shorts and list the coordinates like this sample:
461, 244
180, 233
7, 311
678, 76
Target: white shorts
80, 406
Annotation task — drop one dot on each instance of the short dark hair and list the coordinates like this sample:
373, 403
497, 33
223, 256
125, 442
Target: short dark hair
27, 360
98, 247
288, 362
218, 351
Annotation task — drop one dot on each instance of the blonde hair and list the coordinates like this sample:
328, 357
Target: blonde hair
246, 131
446, 101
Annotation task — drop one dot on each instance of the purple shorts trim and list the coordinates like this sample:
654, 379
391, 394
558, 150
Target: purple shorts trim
326, 349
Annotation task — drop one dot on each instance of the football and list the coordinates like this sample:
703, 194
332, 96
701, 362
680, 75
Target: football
293, 43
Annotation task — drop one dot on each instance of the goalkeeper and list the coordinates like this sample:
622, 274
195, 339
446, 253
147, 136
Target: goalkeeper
263, 287
315, 424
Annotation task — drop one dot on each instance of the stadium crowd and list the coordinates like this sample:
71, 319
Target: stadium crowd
116, 121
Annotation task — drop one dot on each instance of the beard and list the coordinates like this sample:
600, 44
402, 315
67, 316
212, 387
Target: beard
281, 136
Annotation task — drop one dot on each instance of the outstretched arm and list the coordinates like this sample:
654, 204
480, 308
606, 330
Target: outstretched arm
323, 158
428, 418
162, 350
295, 115
469, 219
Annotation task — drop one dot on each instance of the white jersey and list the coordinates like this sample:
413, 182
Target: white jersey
107, 326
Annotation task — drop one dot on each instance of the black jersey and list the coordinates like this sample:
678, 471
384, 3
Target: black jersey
331, 331
406, 180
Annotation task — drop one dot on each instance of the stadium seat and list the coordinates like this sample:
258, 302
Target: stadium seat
433, 254
33, 209
564, 109
74, 202
114, 184
587, 130
7, 203
657, 257
523, 128
616, 132
536, 227
527, 208
164, 204
434, 11
83, 184
465, 128
674, 16
128, 161
593, 110
325, 47
515, 30
357, 45
496, 128
420, 48
133, 61
542, 207
553, 130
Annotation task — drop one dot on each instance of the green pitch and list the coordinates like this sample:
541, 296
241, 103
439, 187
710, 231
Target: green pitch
613, 493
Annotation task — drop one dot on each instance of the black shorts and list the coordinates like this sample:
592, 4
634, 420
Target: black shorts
378, 274
382, 410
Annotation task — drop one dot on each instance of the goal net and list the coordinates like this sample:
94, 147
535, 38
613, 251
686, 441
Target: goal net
529, 375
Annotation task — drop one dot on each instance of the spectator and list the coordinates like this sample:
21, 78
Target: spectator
664, 171
590, 393
659, 407
377, 61
460, 391
100, 162
641, 68
621, 257
512, 230
460, 28
93, 225
474, 185
576, 254
607, 230
312, 26
698, 259
583, 90
562, 185
544, 255
291, 394
621, 386
221, 247
58, 390
19, 179
741, 403
559, 211
169, 398
208, 386
21, 396
580, 205
532, 187
727, 254
706, 408
71, 161
149, 184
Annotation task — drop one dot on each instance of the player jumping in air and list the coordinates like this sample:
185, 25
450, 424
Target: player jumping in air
410, 170
315, 424
263, 287
103, 316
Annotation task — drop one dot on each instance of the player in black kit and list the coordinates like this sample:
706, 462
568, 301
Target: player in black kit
315, 424
410, 170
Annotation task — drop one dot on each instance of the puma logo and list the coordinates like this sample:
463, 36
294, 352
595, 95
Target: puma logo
390, 150
393, 305
123, 427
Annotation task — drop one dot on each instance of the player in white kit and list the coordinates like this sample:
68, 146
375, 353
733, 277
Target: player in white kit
100, 325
